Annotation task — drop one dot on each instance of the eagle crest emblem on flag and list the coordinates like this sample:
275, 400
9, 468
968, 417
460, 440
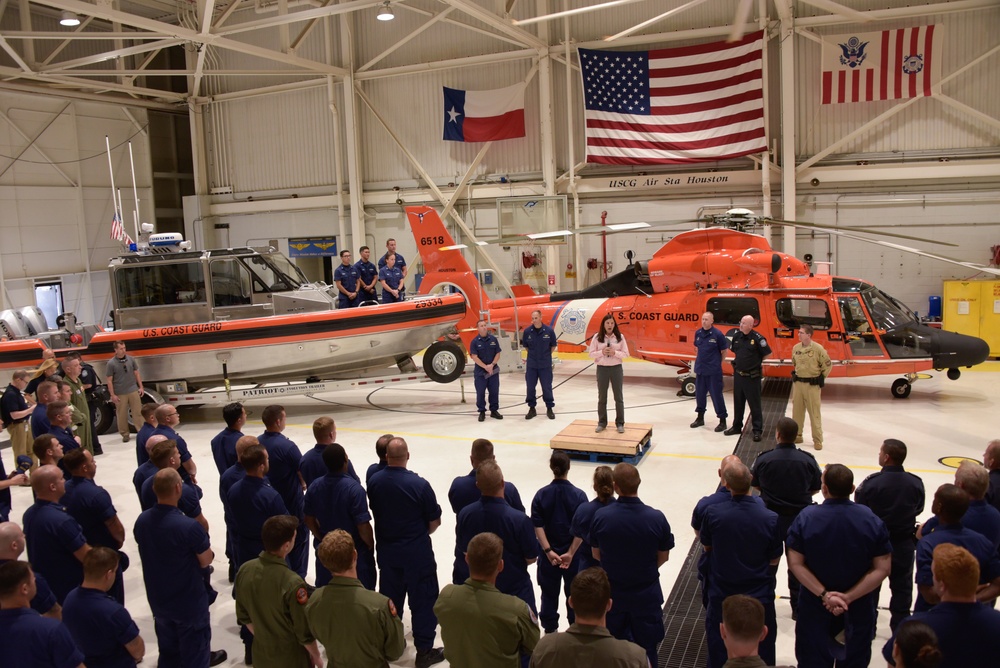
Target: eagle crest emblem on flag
913, 64
854, 52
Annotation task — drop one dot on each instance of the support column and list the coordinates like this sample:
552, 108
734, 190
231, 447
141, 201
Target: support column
788, 129
354, 182
548, 140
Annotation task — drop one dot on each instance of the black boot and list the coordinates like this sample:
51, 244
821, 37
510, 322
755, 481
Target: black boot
482, 416
531, 413
721, 426
699, 422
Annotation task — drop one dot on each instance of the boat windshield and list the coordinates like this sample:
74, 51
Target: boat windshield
274, 273
887, 313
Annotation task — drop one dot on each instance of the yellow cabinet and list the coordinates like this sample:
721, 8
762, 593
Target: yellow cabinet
973, 308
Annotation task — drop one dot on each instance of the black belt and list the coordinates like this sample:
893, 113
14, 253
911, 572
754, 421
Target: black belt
809, 381
749, 374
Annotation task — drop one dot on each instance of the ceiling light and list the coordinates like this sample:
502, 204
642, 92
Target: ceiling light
385, 12
620, 227
69, 19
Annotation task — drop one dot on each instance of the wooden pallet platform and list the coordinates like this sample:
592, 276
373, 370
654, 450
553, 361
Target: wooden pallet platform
580, 440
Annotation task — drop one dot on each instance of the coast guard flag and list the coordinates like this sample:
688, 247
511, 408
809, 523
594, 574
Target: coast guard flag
887, 65
689, 104
484, 115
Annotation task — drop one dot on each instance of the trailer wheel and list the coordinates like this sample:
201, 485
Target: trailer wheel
104, 417
444, 361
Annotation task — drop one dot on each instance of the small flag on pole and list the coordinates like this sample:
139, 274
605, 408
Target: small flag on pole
118, 230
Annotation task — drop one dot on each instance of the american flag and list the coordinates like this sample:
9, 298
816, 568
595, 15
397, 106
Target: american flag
689, 104
118, 230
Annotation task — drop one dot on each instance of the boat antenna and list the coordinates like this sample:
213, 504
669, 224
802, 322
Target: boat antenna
117, 226
135, 192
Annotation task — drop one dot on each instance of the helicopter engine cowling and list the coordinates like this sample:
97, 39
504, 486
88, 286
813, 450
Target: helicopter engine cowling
771, 263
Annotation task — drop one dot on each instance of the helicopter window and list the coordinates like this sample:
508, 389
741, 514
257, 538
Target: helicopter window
887, 313
796, 312
160, 284
730, 310
857, 329
230, 283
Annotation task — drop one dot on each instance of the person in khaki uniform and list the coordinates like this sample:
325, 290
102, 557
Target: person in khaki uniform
480, 626
15, 410
358, 627
811, 365
587, 641
271, 602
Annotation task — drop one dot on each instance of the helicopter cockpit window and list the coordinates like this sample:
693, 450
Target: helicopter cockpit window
886, 312
270, 274
160, 284
730, 310
230, 283
796, 312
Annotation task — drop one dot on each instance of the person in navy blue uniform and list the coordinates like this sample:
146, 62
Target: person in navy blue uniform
492, 514
148, 428
347, 280
721, 495
484, 351
743, 545
391, 277
406, 513
164, 455
174, 550
368, 273
284, 458
30, 640
60, 415
949, 506
749, 350
552, 512
55, 541
312, 466
583, 518
100, 625
167, 421
463, 492
710, 344
840, 552
390, 249
224, 443
6, 482
252, 501
230, 477
337, 501
381, 443
91, 506
981, 517
991, 460
11, 547
47, 392
897, 497
632, 540
49, 452
147, 469
539, 340
787, 478
968, 631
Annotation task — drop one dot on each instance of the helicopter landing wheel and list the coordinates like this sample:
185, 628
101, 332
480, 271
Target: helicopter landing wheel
687, 387
901, 388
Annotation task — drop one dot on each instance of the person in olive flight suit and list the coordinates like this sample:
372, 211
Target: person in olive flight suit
749, 349
539, 340
479, 625
359, 626
897, 497
710, 344
811, 365
271, 601
484, 351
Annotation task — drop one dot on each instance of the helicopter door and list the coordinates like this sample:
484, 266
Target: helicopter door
859, 334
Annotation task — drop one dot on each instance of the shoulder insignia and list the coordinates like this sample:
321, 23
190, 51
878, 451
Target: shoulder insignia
301, 596
392, 609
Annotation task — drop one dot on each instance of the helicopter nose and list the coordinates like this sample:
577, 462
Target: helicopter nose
951, 350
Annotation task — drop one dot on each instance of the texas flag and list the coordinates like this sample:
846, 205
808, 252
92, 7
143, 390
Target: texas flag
484, 115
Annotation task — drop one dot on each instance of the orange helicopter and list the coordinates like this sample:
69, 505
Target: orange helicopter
731, 273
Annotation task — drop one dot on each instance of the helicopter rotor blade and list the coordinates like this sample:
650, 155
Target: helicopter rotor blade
862, 230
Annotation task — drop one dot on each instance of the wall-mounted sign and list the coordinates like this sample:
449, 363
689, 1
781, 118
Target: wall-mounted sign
312, 247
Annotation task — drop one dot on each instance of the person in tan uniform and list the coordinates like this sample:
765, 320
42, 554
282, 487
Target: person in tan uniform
811, 365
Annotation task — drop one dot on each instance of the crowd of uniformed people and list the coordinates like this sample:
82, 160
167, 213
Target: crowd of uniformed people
603, 555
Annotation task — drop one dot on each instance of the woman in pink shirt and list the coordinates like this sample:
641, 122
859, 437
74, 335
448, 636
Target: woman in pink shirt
608, 349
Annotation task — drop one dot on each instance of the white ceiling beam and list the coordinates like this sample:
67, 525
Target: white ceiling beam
572, 12
437, 17
79, 30
899, 12
64, 65
76, 34
143, 71
465, 26
15, 56
298, 17
91, 85
840, 10
24, 8
447, 64
656, 19
68, 94
306, 30
186, 34
975, 113
503, 25
226, 14
31, 144
199, 67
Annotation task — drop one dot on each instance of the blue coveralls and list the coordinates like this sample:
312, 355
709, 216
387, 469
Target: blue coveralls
338, 501
519, 542
403, 505
145, 431
312, 467
743, 538
252, 501
91, 506
897, 497
393, 277
968, 634
284, 458
552, 509
463, 492
347, 276
368, 272
146, 470
101, 627
51, 537
169, 545
182, 450
487, 349
539, 342
400, 262
956, 534
189, 503
224, 448
839, 539
583, 519
629, 534
40, 641
710, 344
44, 599
720, 495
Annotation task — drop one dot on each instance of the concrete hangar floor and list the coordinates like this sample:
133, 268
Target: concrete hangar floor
940, 419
